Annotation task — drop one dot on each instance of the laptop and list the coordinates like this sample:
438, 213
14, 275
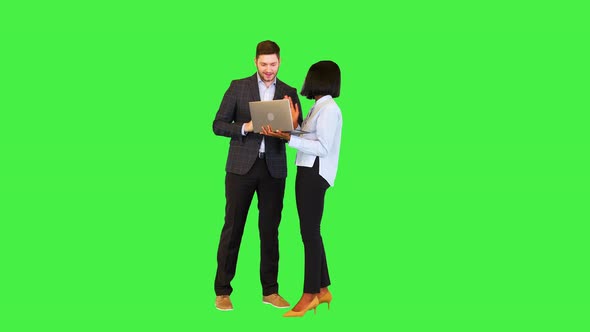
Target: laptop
276, 113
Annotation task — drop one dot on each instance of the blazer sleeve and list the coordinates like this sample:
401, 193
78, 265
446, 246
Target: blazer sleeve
225, 120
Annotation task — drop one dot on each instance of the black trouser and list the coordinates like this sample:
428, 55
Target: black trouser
310, 189
239, 191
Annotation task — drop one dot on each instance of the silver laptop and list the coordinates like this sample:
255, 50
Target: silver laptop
276, 113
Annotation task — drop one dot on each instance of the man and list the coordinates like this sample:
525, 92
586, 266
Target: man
254, 164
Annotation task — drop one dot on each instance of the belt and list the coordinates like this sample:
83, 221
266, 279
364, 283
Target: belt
261, 155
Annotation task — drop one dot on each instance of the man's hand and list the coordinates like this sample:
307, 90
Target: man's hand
248, 127
276, 133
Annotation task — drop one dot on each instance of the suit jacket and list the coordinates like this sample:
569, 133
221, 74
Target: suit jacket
234, 111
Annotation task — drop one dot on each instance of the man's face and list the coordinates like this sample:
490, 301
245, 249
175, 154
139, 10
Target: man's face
267, 66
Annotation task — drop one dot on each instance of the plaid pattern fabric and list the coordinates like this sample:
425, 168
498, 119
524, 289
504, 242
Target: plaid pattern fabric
233, 112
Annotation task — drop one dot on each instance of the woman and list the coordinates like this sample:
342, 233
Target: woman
318, 148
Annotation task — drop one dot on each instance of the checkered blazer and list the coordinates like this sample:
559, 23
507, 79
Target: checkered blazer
234, 111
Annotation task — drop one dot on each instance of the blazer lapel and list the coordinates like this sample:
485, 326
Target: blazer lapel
280, 90
254, 92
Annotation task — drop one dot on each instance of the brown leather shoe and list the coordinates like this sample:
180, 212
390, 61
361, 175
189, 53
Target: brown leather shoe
275, 300
223, 303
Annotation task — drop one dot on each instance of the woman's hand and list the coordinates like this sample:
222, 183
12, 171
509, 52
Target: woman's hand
294, 112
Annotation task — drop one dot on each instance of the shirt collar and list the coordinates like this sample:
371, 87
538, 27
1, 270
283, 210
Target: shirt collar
326, 97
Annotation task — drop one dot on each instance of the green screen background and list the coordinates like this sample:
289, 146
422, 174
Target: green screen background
461, 201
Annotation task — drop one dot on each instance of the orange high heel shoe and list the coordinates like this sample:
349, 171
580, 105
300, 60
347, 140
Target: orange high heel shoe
312, 305
326, 298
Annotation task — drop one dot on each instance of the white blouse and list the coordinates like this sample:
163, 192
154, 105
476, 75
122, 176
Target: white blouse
324, 126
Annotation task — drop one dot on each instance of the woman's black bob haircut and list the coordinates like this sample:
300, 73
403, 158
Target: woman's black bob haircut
323, 78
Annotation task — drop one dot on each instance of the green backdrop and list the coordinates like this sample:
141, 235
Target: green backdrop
461, 201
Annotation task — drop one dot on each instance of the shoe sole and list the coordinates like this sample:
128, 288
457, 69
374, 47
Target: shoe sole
224, 309
275, 305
